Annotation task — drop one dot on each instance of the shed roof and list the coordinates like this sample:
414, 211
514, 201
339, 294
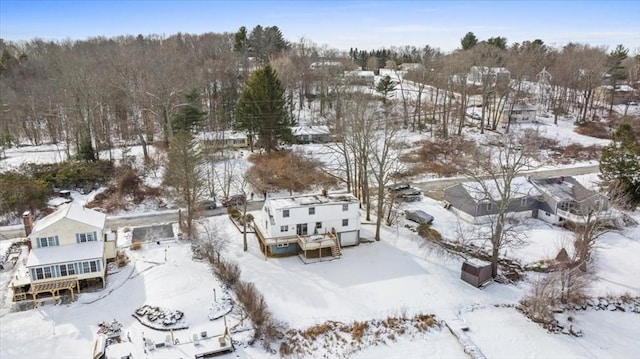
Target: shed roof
65, 254
74, 212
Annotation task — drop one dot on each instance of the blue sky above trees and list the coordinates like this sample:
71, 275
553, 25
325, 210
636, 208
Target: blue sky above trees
339, 24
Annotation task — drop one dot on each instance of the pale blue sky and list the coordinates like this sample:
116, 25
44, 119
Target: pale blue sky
339, 24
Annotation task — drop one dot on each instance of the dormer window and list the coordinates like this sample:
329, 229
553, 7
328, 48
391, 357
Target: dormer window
312, 210
285, 213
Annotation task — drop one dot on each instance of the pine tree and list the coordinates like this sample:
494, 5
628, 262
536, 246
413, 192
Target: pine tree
620, 166
468, 41
262, 110
190, 116
385, 87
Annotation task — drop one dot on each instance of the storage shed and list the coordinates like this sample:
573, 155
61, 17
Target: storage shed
476, 273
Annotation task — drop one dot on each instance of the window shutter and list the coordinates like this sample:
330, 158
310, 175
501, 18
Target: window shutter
77, 238
95, 236
38, 242
33, 274
99, 265
57, 241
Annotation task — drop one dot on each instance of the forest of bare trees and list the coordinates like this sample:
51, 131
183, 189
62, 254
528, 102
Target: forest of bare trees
96, 93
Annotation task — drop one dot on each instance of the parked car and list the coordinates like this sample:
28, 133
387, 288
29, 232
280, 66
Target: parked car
207, 204
419, 216
399, 187
408, 195
235, 200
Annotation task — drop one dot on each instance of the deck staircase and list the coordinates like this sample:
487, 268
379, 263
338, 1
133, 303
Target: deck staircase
336, 251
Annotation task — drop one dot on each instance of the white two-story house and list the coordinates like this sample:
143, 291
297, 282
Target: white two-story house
287, 218
67, 250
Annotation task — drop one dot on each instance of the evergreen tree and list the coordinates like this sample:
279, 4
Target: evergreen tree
616, 70
498, 41
385, 87
240, 40
620, 166
468, 41
190, 116
262, 110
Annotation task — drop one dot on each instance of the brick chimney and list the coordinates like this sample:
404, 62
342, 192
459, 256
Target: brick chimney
27, 219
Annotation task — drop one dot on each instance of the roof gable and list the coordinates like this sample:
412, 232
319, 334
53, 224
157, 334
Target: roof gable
74, 212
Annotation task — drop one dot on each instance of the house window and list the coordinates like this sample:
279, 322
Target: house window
47, 272
312, 210
94, 266
282, 245
489, 207
86, 237
285, 213
524, 202
71, 269
38, 273
47, 241
301, 229
63, 270
284, 228
318, 225
345, 222
345, 207
85, 267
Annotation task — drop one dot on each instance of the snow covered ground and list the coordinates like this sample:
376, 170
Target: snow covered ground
397, 275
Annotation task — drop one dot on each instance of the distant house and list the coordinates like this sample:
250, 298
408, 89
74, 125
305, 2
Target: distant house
310, 134
409, 66
554, 200
481, 75
473, 202
520, 112
359, 77
67, 250
326, 65
319, 224
565, 199
622, 94
223, 139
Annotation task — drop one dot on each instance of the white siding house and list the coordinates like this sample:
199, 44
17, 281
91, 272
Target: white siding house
305, 215
67, 245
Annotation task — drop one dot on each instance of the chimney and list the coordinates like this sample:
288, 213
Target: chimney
27, 219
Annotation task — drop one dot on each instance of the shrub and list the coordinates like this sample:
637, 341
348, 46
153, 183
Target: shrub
358, 330
227, 271
425, 231
234, 213
537, 305
135, 246
595, 129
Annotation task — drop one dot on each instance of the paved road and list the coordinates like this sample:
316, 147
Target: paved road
133, 220
433, 186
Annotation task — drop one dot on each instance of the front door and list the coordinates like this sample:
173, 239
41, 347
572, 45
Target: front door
301, 229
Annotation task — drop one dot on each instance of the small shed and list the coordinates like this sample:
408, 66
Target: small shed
476, 273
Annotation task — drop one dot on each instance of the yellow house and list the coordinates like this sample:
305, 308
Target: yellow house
67, 249
224, 139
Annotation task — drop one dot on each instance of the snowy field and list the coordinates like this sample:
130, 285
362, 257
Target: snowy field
370, 281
